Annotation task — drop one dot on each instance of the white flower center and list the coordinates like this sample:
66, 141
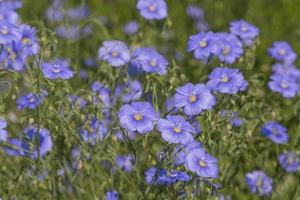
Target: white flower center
152, 8
224, 78
4, 30
203, 43
56, 68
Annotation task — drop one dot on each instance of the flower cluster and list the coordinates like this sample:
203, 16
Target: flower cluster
17, 41
57, 12
197, 14
226, 47
156, 176
285, 78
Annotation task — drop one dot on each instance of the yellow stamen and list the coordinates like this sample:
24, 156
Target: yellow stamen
203, 43
226, 51
177, 129
202, 163
192, 98
114, 54
138, 117
25, 40
224, 78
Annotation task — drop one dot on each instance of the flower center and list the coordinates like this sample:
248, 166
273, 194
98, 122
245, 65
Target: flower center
192, 98
152, 8
25, 40
203, 43
281, 52
284, 85
259, 183
226, 51
177, 129
202, 163
275, 132
138, 117
4, 30
244, 28
153, 63
56, 68
290, 160
114, 53
224, 78
32, 99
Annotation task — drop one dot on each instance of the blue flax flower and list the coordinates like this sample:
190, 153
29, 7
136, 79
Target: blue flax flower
155, 176
112, 195
202, 163
194, 98
204, 45
282, 51
29, 40
181, 151
175, 129
233, 118
15, 148
289, 161
130, 28
14, 56
3, 132
133, 90
93, 131
149, 60
11, 4
229, 49
259, 183
195, 12
78, 13
288, 71
138, 116
170, 105
30, 100
285, 85
8, 15
116, 53
125, 163
58, 69
8, 32
227, 80
275, 132
152, 9
102, 94
54, 12
244, 30
34, 136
